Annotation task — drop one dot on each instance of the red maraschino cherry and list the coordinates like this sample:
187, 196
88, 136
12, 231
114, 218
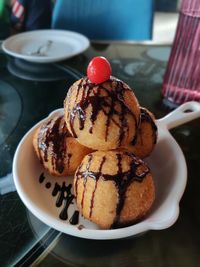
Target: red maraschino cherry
99, 70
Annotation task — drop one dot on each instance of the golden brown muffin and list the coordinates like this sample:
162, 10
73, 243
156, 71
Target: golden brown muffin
143, 144
113, 188
59, 153
102, 116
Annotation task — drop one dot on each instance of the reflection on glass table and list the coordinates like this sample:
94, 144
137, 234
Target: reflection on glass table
25, 102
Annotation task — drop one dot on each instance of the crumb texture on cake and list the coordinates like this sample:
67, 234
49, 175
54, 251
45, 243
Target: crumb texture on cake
56, 149
113, 188
103, 116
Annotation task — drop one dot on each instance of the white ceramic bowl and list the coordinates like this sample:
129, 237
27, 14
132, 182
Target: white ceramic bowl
167, 164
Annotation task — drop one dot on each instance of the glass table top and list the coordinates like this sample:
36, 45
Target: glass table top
25, 240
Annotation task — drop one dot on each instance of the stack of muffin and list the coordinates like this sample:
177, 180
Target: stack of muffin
101, 139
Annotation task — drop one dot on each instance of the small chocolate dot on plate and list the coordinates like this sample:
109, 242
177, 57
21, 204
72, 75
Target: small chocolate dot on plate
48, 185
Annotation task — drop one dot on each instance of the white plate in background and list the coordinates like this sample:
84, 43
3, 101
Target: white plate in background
45, 46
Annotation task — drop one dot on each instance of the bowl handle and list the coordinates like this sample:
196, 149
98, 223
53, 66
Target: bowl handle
184, 113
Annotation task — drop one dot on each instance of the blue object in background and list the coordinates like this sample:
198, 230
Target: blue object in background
105, 19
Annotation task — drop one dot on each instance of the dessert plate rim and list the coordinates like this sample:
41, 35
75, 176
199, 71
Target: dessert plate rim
149, 223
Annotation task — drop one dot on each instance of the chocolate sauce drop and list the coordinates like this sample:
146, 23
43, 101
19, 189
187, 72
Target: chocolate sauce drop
48, 185
56, 189
75, 218
64, 213
64, 197
80, 227
105, 103
41, 178
63, 193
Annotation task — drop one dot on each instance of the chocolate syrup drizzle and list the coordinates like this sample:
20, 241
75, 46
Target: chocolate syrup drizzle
101, 99
64, 198
144, 116
52, 135
41, 178
121, 179
75, 218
